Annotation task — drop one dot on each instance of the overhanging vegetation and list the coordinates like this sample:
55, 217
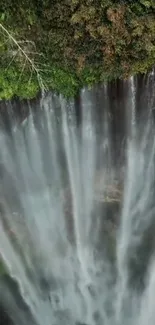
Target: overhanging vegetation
66, 44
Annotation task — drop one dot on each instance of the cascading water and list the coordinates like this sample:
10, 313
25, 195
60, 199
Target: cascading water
73, 262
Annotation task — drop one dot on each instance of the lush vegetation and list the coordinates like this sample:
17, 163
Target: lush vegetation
66, 44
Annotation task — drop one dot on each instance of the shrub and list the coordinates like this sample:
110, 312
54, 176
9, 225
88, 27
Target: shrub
66, 44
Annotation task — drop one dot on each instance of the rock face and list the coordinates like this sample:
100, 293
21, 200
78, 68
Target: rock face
105, 218
4, 317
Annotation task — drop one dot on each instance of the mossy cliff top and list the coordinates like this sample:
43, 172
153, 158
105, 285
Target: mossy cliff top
66, 44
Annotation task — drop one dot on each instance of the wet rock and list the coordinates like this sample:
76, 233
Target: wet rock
4, 317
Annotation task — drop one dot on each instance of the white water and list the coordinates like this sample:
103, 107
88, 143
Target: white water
50, 226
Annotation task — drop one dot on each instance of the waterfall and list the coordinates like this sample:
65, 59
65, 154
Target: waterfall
77, 217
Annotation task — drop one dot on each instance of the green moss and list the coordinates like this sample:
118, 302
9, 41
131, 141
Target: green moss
12, 83
73, 43
63, 81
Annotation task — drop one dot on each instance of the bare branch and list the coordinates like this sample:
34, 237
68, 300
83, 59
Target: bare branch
22, 70
30, 76
25, 54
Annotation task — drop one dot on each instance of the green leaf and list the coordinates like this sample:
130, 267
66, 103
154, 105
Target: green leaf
147, 3
2, 17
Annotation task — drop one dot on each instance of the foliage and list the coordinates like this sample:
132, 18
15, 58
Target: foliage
66, 44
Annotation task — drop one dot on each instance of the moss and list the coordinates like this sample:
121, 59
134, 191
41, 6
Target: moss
62, 80
73, 43
13, 83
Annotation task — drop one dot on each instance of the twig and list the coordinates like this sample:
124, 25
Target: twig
40, 81
12, 60
22, 70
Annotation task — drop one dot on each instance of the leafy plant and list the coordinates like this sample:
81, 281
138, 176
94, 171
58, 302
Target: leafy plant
67, 44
